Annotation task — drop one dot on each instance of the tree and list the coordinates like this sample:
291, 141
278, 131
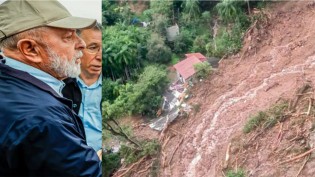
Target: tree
228, 10
122, 46
158, 52
143, 97
191, 8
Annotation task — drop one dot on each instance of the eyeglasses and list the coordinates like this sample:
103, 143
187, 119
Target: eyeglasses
93, 49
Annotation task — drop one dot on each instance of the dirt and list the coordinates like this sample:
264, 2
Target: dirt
278, 59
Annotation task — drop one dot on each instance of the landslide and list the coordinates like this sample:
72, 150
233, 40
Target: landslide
276, 65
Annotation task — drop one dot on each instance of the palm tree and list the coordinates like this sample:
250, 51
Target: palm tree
191, 7
227, 10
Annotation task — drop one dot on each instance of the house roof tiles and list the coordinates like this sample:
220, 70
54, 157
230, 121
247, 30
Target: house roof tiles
186, 67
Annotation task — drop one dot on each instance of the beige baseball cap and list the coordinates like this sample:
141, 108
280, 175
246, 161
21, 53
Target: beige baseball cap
20, 15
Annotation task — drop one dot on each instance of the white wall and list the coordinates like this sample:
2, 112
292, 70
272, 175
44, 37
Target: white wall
82, 8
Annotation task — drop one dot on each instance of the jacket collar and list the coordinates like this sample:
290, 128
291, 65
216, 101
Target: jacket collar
34, 81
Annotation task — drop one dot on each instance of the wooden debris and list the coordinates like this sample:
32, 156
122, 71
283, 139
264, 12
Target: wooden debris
309, 107
227, 156
306, 159
131, 166
297, 157
146, 168
180, 142
164, 129
279, 137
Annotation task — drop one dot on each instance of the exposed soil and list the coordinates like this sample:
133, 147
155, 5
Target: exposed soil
277, 60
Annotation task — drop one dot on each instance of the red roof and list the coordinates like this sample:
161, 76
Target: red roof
186, 67
198, 55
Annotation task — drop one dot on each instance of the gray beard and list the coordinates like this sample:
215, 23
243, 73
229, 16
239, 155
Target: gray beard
63, 67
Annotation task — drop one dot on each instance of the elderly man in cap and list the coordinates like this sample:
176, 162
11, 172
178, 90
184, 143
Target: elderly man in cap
40, 133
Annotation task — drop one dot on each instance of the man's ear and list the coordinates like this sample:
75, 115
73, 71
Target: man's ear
30, 49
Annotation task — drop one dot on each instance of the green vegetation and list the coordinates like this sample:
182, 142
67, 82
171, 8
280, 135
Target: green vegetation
237, 173
142, 97
203, 69
110, 163
266, 119
196, 107
255, 121
131, 154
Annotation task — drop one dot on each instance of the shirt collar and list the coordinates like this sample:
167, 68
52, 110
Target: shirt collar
95, 85
54, 83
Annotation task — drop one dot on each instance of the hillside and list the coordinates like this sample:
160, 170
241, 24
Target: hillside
276, 65
276, 61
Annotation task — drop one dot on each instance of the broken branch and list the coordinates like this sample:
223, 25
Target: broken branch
297, 157
180, 142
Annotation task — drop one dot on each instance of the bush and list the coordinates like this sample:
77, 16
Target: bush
226, 42
110, 163
238, 173
158, 52
254, 122
143, 97
202, 69
148, 148
200, 42
266, 119
183, 41
175, 59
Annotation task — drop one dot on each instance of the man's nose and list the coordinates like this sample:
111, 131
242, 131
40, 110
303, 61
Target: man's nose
99, 54
80, 44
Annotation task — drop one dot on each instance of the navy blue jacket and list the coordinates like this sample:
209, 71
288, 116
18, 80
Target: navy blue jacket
40, 135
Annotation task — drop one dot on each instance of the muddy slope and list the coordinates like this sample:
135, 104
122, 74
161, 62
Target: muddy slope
275, 62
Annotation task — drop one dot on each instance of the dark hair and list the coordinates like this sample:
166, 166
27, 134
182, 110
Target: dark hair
97, 27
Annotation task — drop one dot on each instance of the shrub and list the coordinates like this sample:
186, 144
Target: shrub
148, 148
254, 121
200, 42
183, 41
238, 173
266, 119
202, 69
157, 50
110, 163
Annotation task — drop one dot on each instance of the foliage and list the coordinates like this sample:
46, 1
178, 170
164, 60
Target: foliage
227, 42
110, 163
200, 42
266, 119
228, 10
143, 97
131, 154
122, 51
202, 69
206, 17
162, 7
175, 59
191, 10
183, 42
110, 89
146, 97
254, 121
113, 13
237, 173
159, 24
159, 13
158, 52
196, 107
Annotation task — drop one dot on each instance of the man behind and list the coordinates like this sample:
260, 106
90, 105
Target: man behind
86, 90
40, 134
